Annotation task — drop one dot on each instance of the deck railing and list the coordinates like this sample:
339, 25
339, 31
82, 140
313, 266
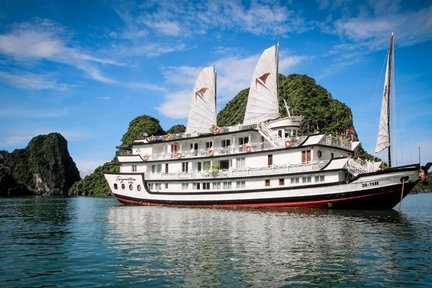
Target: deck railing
227, 173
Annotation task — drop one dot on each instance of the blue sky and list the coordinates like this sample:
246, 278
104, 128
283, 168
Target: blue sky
87, 68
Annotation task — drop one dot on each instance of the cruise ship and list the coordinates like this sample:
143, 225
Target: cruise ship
264, 162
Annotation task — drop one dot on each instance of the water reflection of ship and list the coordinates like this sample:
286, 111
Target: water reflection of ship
214, 247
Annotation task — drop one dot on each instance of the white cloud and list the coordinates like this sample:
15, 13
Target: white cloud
176, 105
87, 166
32, 81
44, 40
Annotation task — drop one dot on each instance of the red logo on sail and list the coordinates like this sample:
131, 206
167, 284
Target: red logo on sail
262, 80
200, 93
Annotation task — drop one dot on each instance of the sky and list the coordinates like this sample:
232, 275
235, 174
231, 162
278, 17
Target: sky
85, 69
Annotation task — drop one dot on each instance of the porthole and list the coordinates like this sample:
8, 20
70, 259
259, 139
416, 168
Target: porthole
115, 186
123, 186
139, 187
130, 187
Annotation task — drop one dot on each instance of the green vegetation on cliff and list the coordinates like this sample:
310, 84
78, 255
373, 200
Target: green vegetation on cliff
44, 166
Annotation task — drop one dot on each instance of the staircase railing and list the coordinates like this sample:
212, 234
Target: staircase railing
270, 135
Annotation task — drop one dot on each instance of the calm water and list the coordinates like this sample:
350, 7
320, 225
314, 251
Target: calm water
88, 242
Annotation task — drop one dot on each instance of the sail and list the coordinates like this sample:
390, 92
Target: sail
262, 101
383, 140
202, 114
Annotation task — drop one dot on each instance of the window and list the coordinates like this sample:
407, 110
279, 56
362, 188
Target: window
280, 132
240, 163
185, 186
226, 143
139, 187
319, 178
123, 186
185, 167
281, 181
295, 180
216, 185
130, 187
224, 164
207, 165
267, 182
134, 168
270, 160
115, 186
206, 186
209, 145
226, 185
150, 185
166, 185
166, 167
174, 148
199, 166
307, 179
240, 184
156, 168
196, 186
306, 156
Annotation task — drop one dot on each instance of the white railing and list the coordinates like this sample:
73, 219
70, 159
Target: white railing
336, 142
294, 168
270, 135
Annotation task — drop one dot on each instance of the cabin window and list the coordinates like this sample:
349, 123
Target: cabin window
166, 167
270, 160
295, 180
134, 168
224, 164
280, 133
199, 166
196, 186
206, 186
216, 185
226, 143
226, 185
166, 185
130, 187
281, 181
320, 178
240, 184
207, 165
123, 186
139, 187
185, 186
156, 168
185, 167
115, 186
267, 182
243, 140
209, 145
306, 156
307, 179
240, 163
174, 148
287, 133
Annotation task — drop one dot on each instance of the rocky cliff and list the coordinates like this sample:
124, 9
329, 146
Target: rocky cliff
44, 167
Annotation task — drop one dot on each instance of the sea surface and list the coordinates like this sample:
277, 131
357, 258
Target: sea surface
96, 242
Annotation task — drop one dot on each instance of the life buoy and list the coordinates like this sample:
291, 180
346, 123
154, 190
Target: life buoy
288, 143
179, 155
145, 157
319, 154
248, 149
210, 152
152, 138
168, 137
217, 130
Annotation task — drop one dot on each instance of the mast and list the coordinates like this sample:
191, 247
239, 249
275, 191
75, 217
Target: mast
389, 75
383, 140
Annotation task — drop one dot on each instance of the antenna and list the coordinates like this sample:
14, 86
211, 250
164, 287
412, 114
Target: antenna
287, 108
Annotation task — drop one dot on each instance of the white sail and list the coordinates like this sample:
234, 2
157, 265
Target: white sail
383, 140
202, 114
262, 101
